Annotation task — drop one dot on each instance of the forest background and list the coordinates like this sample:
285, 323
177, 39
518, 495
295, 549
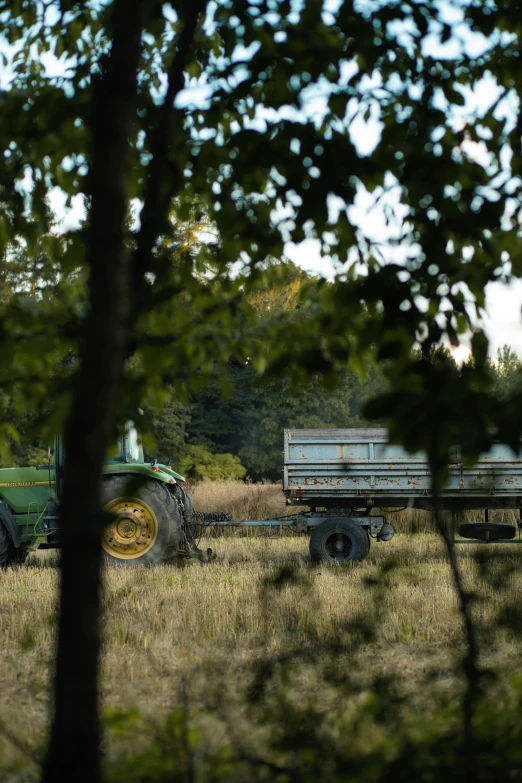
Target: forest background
232, 428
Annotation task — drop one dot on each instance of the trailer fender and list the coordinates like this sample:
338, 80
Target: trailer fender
9, 522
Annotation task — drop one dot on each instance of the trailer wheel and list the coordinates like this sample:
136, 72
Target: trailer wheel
339, 541
147, 527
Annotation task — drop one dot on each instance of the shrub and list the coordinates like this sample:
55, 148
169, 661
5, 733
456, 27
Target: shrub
200, 463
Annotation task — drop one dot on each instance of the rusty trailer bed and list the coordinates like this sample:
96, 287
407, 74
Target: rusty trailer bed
358, 467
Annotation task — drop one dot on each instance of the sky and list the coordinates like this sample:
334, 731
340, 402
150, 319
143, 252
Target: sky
502, 321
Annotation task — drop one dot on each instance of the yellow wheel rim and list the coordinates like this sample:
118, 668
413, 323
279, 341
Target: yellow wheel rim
134, 530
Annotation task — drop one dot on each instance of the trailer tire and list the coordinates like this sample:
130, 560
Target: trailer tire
339, 541
147, 526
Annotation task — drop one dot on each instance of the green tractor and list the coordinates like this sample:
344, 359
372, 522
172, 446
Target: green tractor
151, 524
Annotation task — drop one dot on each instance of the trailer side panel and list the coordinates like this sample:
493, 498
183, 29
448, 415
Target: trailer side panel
359, 467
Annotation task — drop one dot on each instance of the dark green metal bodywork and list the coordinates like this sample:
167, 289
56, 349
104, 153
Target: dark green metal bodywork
32, 495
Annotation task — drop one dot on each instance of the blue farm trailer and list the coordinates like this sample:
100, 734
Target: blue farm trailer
342, 474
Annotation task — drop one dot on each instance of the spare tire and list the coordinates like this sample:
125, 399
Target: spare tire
487, 531
337, 541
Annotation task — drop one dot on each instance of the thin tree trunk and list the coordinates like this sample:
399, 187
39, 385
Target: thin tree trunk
74, 751
470, 662
115, 283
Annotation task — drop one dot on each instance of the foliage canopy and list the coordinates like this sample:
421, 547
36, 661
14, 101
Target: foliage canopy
268, 140
259, 115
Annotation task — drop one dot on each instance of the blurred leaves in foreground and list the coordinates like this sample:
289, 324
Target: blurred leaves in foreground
379, 740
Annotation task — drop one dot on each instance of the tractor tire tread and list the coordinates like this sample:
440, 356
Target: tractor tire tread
180, 495
9, 554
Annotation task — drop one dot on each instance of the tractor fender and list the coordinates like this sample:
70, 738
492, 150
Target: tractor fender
10, 524
140, 470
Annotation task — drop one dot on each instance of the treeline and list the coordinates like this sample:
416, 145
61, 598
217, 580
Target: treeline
233, 428
238, 432
237, 423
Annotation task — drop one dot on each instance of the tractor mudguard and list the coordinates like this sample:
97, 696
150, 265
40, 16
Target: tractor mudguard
9, 522
167, 469
140, 470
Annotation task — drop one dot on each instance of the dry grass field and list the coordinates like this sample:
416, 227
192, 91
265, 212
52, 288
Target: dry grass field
192, 634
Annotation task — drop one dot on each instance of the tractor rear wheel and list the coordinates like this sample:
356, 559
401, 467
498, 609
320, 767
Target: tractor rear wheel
146, 529
188, 511
337, 541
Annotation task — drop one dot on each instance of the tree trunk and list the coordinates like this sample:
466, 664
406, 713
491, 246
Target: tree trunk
74, 751
114, 284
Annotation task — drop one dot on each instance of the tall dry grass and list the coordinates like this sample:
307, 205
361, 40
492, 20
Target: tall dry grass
250, 501
244, 500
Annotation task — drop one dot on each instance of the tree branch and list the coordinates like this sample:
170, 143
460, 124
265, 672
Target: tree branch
159, 188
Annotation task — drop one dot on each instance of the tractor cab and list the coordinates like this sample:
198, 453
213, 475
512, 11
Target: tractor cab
128, 448
126, 456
